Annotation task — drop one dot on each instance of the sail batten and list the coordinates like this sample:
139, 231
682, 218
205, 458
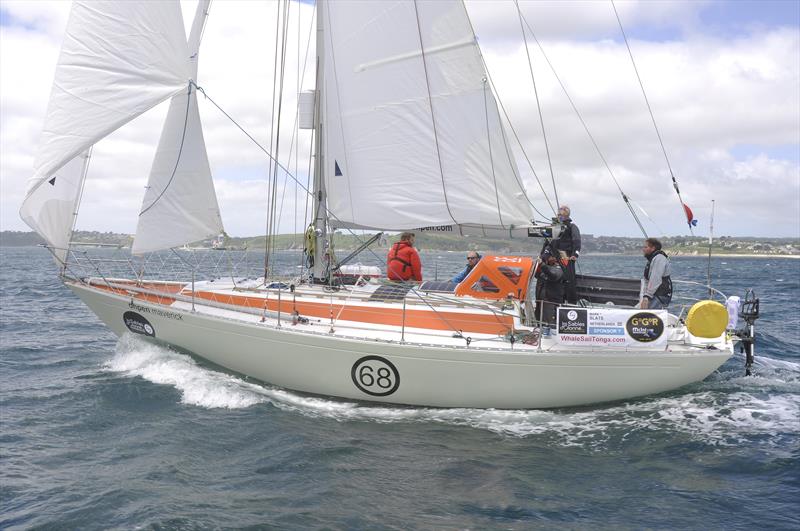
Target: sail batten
412, 137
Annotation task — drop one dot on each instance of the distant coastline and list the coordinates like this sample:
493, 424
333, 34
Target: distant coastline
713, 255
678, 246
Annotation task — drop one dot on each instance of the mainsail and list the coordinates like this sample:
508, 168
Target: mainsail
118, 60
412, 134
180, 205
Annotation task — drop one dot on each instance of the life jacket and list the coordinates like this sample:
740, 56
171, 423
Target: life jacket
664, 291
398, 261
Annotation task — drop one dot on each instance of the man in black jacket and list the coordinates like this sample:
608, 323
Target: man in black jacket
568, 242
549, 290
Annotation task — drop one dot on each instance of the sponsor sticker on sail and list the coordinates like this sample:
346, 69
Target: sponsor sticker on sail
612, 327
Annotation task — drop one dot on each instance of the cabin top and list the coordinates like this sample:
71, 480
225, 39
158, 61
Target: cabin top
498, 277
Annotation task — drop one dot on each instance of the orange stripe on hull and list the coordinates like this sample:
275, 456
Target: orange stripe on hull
439, 320
158, 299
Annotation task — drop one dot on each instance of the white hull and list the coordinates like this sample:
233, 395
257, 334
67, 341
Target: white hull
406, 373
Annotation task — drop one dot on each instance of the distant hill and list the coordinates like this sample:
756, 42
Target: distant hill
677, 245
12, 238
9, 238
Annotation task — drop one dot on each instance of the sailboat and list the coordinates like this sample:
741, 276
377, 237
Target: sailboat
401, 97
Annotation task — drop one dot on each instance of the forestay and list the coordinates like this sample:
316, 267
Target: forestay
118, 60
412, 134
180, 204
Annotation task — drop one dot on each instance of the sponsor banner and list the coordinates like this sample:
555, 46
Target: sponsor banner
436, 228
572, 321
612, 327
138, 324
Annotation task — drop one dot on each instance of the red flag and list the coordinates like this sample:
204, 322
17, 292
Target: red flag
689, 216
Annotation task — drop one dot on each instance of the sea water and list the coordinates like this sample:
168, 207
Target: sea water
107, 433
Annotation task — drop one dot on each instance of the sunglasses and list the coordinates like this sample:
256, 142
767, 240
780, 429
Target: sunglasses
472, 258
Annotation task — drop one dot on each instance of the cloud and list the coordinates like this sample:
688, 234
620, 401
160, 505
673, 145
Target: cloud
711, 94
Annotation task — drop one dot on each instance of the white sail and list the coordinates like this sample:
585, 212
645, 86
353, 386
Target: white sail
180, 205
412, 133
118, 60
50, 209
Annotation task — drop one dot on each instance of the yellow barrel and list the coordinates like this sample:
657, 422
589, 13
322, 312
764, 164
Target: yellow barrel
707, 319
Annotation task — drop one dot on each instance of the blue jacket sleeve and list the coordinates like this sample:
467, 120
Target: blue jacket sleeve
461, 276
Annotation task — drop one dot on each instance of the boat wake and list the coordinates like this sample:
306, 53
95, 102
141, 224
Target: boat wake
198, 386
727, 409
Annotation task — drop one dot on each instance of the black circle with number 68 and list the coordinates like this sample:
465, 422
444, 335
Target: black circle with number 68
375, 376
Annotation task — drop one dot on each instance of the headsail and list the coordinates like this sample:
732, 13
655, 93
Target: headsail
118, 60
50, 209
413, 137
180, 205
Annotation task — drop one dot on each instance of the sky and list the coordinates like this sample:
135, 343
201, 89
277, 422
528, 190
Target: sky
722, 79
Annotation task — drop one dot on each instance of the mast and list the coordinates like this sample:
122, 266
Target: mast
320, 222
196, 33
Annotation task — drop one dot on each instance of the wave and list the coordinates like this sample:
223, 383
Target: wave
198, 386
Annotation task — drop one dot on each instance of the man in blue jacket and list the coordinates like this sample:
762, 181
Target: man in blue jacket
473, 257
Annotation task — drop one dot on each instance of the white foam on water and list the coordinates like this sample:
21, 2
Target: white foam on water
725, 410
198, 386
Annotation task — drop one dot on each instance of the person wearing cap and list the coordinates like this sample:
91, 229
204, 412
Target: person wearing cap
473, 257
568, 247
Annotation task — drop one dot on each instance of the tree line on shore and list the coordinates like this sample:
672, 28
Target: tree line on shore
680, 245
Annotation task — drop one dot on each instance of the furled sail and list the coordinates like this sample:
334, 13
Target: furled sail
50, 210
412, 134
180, 205
118, 60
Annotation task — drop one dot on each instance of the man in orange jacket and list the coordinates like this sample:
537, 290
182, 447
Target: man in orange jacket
402, 262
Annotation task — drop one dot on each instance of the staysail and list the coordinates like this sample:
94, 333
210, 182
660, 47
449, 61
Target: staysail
180, 205
118, 60
412, 133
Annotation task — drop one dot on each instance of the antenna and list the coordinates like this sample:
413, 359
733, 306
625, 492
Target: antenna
710, 243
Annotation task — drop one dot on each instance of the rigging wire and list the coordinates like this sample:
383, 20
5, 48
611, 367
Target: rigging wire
643, 211
491, 158
306, 218
625, 197
522, 148
296, 129
270, 191
433, 116
273, 209
296, 126
305, 188
538, 103
496, 94
652, 116
87, 158
180, 152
